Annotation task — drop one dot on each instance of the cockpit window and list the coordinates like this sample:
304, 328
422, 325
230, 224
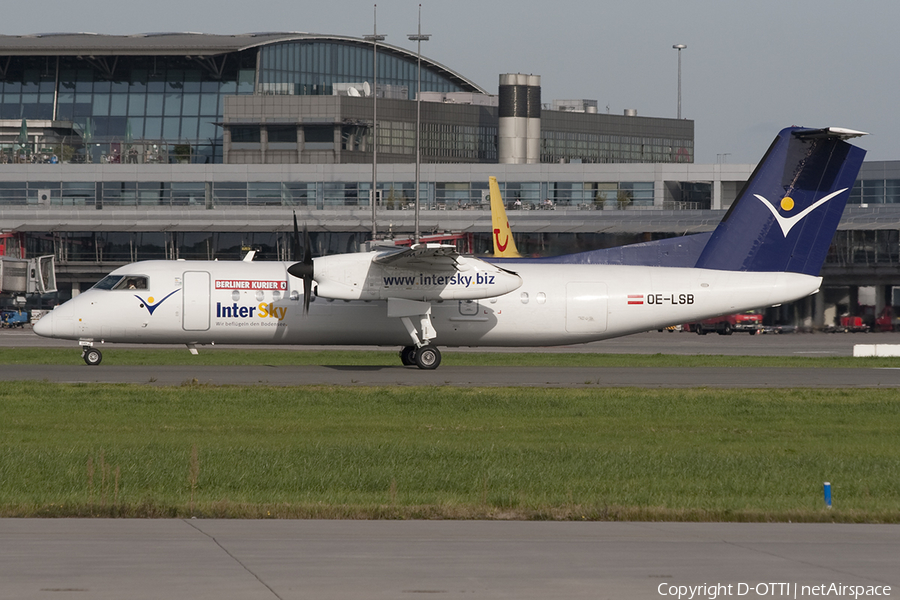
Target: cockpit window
132, 282
108, 282
122, 282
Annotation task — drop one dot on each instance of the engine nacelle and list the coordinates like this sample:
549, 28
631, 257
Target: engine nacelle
358, 277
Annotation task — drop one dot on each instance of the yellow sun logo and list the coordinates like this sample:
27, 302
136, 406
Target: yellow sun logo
787, 203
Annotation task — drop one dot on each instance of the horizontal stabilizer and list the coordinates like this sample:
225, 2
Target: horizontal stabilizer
829, 132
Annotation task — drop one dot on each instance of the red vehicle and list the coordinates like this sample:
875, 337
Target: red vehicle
750, 321
887, 321
853, 325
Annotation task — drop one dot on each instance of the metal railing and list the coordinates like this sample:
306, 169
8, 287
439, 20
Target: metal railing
313, 196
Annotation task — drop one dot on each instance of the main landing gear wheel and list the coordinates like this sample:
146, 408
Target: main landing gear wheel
408, 355
92, 356
428, 357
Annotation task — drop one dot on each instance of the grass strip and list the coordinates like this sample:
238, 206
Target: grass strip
423, 452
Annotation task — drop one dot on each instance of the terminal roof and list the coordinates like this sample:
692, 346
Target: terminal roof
187, 44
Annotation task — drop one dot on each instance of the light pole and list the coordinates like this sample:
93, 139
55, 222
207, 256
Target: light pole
374, 38
418, 38
679, 47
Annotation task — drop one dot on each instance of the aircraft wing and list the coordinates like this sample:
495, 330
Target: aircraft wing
430, 257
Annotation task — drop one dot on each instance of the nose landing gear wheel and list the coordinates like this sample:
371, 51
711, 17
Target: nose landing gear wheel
408, 356
92, 356
428, 357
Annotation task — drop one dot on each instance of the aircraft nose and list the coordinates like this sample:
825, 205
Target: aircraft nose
58, 323
44, 326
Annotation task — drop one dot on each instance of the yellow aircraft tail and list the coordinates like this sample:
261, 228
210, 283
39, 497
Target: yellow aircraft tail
504, 245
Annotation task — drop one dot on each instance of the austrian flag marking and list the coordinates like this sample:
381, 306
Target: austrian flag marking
635, 298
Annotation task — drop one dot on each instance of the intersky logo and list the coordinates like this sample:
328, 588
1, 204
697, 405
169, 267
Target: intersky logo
787, 204
148, 304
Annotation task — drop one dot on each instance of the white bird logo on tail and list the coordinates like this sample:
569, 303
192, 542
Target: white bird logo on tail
787, 223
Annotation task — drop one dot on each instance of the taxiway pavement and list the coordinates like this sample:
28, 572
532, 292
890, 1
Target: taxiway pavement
569, 377
646, 343
375, 560
738, 344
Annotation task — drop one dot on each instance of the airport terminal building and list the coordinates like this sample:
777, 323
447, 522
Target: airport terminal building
194, 146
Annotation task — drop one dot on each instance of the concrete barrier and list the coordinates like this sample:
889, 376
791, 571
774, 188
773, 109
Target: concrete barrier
876, 350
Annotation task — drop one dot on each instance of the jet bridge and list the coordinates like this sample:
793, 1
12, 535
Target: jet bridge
27, 275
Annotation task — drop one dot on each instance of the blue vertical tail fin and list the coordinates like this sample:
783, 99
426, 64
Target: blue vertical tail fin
785, 217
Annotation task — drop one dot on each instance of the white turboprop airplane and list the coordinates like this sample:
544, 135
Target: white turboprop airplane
767, 250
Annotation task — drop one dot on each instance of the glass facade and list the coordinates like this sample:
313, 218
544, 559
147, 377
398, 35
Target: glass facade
566, 146
28, 89
443, 142
435, 195
309, 68
873, 248
399, 195
875, 191
152, 109
120, 247
128, 108
603, 195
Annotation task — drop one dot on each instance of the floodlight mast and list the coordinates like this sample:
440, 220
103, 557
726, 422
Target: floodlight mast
374, 38
418, 38
679, 47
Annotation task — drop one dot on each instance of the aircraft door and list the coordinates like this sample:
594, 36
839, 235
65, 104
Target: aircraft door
586, 307
195, 294
42, 275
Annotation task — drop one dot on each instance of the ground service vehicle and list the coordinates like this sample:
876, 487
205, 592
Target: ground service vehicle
750, 321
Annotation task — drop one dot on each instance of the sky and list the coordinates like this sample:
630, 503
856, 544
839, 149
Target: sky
749, 69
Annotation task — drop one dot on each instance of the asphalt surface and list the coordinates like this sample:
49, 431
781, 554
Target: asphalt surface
738, 344
375, 560
568, 377
647, 343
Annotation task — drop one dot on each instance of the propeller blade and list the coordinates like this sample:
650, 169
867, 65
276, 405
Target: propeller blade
296, 239
307, 247
303, 268
308, 264
307, 294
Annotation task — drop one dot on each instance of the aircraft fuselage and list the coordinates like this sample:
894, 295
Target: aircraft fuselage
260, 303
